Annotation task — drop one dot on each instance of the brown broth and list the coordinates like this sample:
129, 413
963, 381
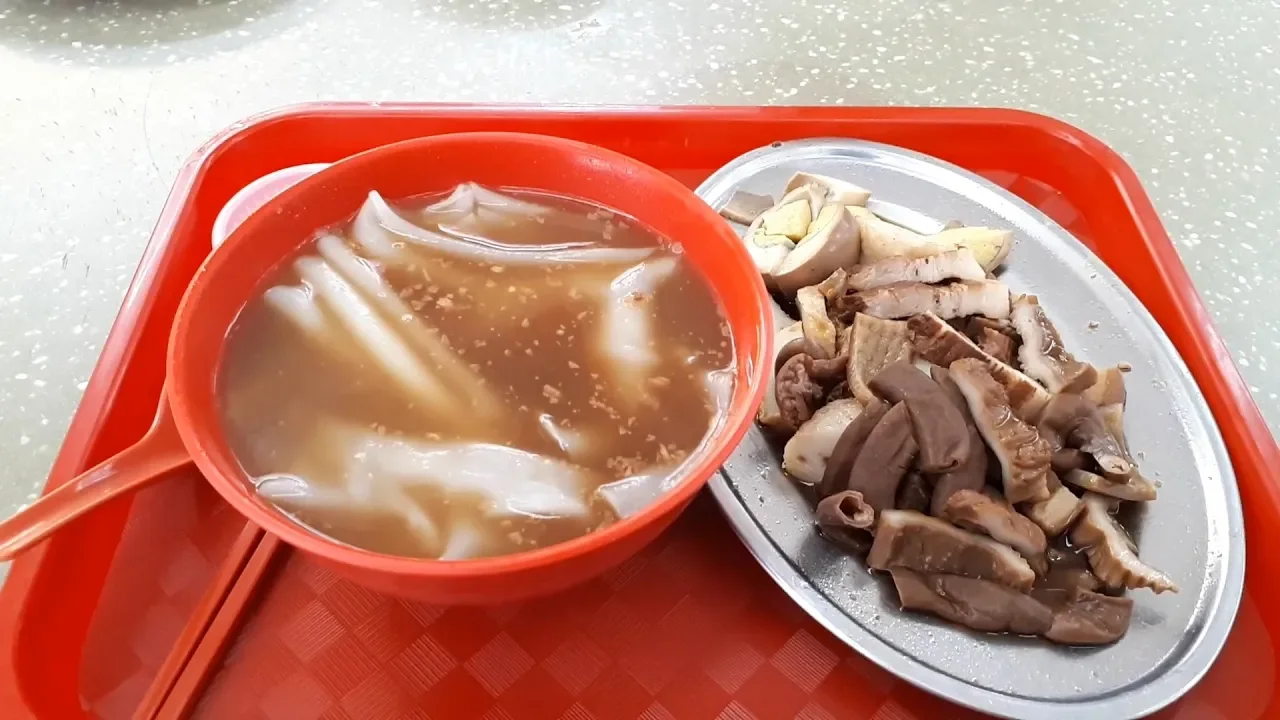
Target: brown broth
531, 332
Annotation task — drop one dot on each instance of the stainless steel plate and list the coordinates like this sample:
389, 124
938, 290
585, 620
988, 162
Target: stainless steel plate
1194, 531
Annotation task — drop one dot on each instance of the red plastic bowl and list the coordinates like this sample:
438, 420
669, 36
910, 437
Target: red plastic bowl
234, 272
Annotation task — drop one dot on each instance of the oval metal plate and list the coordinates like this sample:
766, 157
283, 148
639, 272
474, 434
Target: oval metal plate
1194, 531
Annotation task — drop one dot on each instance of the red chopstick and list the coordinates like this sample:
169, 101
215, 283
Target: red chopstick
201, 663
224, 580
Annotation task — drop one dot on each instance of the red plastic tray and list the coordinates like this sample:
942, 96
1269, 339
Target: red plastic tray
168, 605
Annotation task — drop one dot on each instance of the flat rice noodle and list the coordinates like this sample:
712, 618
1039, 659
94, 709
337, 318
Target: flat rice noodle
465, 542
372, 333
575, 444
510, 482
475, 210
298, 305
383, 234
634, 493
292, 493
627, 323
719, 387
465, 384
470, 198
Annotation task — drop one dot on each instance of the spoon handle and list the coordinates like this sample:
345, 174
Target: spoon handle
158, 452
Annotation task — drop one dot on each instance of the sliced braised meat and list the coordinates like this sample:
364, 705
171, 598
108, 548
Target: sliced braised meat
940, 429
1066, 459
1110, 397
885, 458
1043, 355
1068, 572
1113, 418
1089, 618
952, 265
914, 493
1072, 578
1023, 454
836, 475
918, 542
835, 286
874, 344
805, 456
1111, 552
993, 516
974, 326
957, 299
817, 325
978, 604
997, 345
1057, 513
1079, 424
1132, 487
972, 473
744, 207
1109, 388
845, 519
939, 343
796, 393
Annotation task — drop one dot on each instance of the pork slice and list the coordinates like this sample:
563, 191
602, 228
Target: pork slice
908, 539
1132, 487
978, 604
1111, 552
744, 207
941, 344
1024, 456
1089, 618
956, 264
1057, 513
1110, 396
957, 299
982, 513
997, 345
1079, 424
1043, 355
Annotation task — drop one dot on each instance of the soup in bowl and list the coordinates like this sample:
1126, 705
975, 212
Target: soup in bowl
474, 367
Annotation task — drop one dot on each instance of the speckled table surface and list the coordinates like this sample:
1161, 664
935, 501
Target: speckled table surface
100, 102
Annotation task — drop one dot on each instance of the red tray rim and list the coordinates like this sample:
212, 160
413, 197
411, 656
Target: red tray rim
1258, 448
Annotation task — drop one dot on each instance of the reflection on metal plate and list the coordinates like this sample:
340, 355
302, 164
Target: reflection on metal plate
1194, 531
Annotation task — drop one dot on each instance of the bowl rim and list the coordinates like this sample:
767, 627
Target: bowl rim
694, 473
